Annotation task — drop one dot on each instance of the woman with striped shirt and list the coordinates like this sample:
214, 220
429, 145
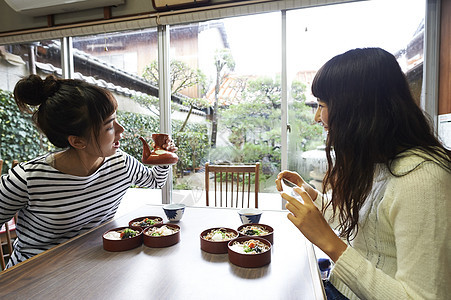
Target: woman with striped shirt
63, 194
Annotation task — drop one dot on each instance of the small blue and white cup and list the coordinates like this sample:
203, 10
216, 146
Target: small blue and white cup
174, 211
250, 215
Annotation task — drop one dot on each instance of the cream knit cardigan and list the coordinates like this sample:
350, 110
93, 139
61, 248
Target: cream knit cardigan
403, 246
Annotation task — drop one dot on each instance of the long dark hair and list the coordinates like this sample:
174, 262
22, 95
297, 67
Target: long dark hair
64, 107
372, 118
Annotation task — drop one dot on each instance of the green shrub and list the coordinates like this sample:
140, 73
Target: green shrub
193, 146
19, 137
136, 125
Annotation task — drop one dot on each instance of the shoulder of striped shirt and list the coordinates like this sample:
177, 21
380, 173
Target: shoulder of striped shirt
120, 155
41, 159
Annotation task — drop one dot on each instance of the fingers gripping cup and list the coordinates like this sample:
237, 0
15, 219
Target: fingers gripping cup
159, 156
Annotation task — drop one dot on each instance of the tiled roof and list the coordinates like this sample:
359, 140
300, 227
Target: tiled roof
50, 69
230, 90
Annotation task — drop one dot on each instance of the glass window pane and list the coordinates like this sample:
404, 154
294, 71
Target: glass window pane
118, 62
235, 64
317, 34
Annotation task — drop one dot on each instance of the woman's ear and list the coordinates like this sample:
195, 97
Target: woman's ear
77, 142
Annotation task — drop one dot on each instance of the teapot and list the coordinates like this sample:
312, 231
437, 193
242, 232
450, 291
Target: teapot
158, 156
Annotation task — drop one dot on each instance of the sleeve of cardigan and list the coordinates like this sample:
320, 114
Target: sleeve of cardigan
321, 201
418, 213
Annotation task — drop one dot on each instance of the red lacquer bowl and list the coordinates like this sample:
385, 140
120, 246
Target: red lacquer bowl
215, 247
125, 244
246, 230
248, 260
161, 241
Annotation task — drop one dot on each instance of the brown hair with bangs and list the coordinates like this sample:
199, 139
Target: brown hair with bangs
64, 107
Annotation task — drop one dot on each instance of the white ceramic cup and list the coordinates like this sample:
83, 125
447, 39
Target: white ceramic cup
250, 215
174, 211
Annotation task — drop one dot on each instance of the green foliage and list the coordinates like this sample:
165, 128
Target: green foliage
223, 58
19, 137
257, 152
193, 145
254, 124
307, 134
245, 121
182, 75
146, 101
265, 90
199, 103
224, 62
182, 186
136, 125
193, 103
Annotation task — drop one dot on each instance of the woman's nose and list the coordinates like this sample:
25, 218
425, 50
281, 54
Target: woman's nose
317, 115
119, 127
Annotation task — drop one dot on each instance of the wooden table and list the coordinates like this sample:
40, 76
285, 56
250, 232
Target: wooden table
82, 269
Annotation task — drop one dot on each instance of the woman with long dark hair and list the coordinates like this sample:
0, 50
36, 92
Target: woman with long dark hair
387, 186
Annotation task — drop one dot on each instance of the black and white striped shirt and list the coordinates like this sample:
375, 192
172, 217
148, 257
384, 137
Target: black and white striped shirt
54, 207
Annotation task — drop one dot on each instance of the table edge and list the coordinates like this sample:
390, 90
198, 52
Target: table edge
49, 251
